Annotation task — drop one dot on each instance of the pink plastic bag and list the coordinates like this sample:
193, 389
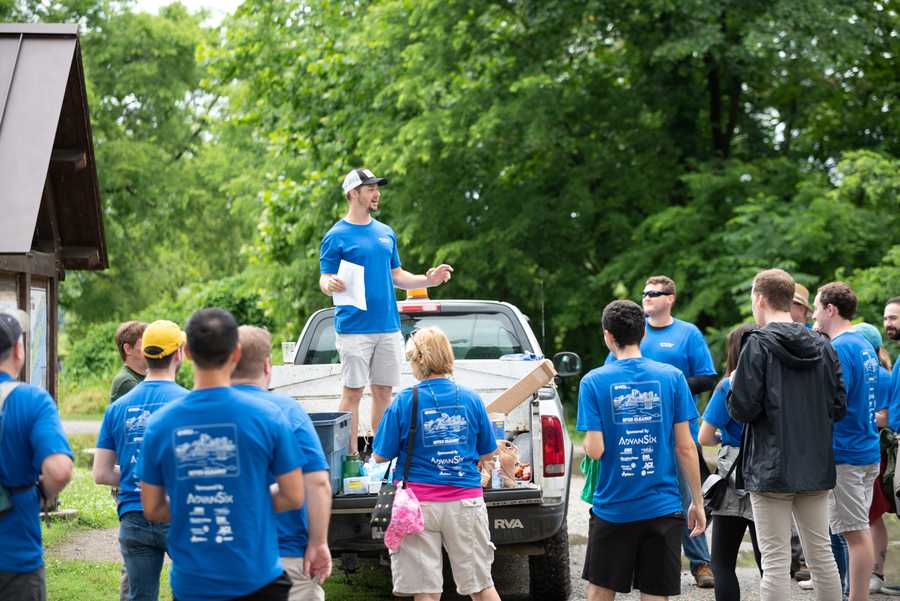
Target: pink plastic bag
406, 518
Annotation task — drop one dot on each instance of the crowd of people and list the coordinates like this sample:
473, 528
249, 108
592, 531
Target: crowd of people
230, 480
804, 422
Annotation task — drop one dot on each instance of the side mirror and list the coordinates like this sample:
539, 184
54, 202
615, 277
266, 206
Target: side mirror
567, 364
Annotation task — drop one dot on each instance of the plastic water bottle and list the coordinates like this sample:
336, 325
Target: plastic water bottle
496, 479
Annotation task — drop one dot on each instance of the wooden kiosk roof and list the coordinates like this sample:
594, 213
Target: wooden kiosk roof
49, 194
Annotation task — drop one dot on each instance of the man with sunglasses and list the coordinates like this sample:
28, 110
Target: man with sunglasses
682, 345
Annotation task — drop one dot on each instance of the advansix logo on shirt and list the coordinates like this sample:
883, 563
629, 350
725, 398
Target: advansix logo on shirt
636, 403
209, 495
386, 242
208, 451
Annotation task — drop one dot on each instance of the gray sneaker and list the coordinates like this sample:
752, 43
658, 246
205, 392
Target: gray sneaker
890, 590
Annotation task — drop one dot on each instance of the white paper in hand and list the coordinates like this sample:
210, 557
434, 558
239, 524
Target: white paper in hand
354, 278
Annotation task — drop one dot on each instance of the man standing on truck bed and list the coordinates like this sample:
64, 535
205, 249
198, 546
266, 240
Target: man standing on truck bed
679, 344
368, 341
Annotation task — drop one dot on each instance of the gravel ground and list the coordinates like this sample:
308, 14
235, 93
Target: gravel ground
81, 426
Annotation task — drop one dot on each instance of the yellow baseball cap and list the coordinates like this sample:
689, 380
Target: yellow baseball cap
161, 339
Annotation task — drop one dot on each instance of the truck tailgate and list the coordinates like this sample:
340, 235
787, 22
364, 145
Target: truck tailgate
318, 387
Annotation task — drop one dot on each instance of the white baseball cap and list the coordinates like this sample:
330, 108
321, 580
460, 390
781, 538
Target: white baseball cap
361, 177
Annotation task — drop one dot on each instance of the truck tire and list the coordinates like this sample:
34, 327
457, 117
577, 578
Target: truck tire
548, 574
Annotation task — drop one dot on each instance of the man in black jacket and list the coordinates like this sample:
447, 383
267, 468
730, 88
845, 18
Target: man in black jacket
788, 389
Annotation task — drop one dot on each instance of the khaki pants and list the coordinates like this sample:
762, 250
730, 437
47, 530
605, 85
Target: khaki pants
772, 516
302, 587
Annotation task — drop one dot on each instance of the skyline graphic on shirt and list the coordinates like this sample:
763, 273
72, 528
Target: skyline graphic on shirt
636, 402
209, 451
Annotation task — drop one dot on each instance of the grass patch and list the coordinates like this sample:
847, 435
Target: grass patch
96, 509
80, 443
370, 582
72, 580
84, 400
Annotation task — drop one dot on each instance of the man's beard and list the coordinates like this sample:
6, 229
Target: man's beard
892, 333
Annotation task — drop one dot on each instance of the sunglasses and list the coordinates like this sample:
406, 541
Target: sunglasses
654, 293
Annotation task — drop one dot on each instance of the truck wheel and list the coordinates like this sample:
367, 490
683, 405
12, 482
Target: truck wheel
548, 574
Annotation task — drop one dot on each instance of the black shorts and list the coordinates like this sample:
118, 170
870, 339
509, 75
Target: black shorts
645, 555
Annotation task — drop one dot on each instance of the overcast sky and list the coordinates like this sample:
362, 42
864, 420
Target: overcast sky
216, 8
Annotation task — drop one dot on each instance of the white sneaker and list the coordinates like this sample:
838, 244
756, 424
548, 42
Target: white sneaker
806, 585
876, 583
890, 590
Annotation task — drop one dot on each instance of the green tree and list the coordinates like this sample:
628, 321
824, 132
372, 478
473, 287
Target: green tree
565, 150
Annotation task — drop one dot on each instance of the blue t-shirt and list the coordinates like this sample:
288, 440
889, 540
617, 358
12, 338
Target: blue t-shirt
374, 246
214, 453
884, 389
894, 410
679, 344
32, 432
122, 432
453, 431
855, 437
635, 403
716, 414
293, 526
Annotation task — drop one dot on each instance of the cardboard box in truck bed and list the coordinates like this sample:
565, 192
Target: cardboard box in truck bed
516, 394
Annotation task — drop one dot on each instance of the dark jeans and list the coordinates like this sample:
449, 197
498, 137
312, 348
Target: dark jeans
16, 586
727, 534
143, 547
277, 590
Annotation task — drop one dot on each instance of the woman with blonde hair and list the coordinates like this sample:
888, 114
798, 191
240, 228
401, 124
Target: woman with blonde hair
453, 434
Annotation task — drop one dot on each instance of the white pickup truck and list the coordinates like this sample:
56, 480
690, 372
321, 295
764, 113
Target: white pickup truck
487, 337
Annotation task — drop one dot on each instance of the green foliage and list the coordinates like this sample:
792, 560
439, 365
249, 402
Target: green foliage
92, 353
556, 152
91, 358
566, 151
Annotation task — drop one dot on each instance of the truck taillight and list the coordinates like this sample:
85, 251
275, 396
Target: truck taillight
554, 446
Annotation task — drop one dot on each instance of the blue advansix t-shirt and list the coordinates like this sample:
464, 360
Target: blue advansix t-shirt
293, 526
213, 452
635, 403
122, 432
855, 437
31, 433
453, 432
374, 246
716, 414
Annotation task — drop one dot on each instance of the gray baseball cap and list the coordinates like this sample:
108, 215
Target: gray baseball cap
12, 325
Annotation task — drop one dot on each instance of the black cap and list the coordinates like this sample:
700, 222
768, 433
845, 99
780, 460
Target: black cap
10, 330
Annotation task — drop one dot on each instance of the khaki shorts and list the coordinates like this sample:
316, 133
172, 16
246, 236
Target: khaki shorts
848, 507
370, 359
461, 527
302, 587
